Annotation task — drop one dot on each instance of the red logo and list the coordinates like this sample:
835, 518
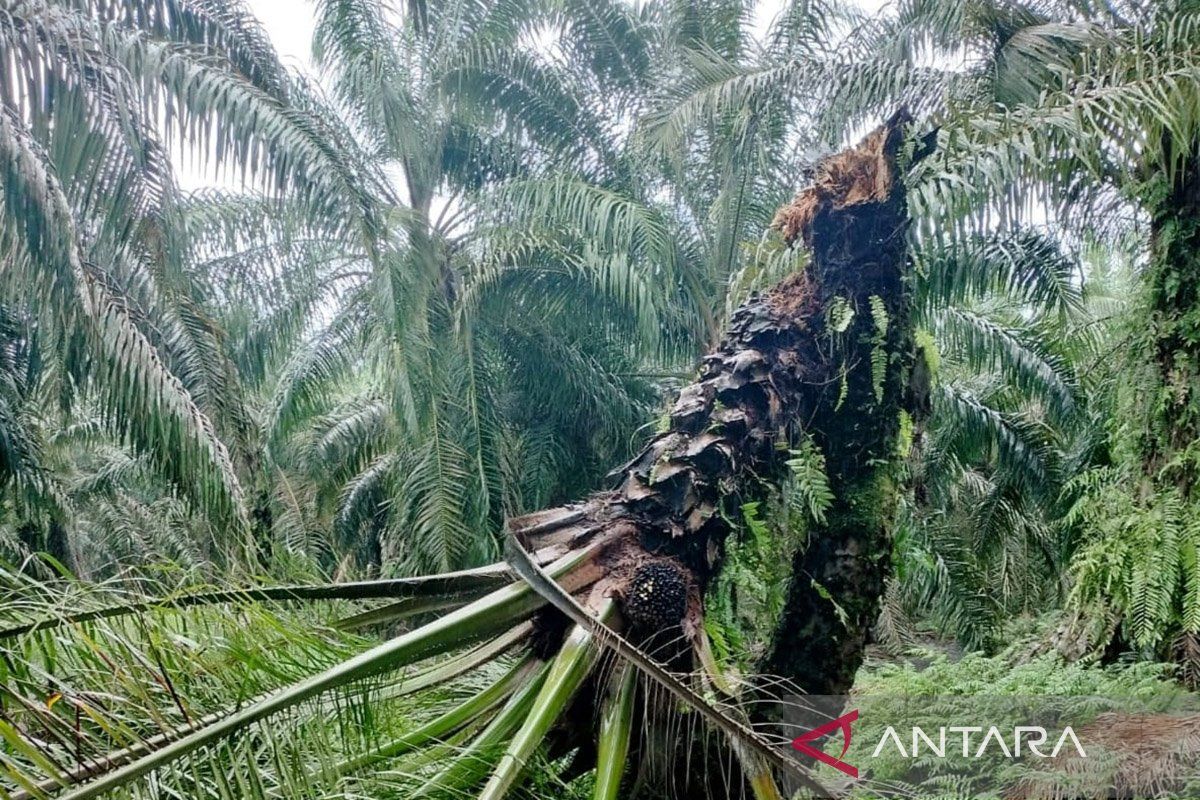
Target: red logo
801, 743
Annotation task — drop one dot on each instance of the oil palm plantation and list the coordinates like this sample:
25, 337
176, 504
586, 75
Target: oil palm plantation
385, 375
800, 367
385, 303
464, 283
496, 360
106, 326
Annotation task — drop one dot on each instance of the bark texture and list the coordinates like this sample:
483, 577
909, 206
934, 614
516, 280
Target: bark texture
824, 354
1173, 418
859, 252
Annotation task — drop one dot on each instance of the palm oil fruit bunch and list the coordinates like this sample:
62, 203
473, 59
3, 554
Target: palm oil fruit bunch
657, 596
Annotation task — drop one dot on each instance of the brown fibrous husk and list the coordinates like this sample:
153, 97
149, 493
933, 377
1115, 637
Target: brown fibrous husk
861, 174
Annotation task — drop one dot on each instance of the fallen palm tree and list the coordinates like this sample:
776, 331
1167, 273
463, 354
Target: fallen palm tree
608, 610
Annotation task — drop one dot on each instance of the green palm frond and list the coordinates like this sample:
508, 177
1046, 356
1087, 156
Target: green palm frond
1027, 266
988, 344
435, 519
136, 386
609, 42
296, 668
529, 97
1020, 442
311, 367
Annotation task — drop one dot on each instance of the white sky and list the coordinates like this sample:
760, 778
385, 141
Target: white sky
290, 25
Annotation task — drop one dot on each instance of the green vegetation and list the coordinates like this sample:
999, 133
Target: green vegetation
261, 446
1023, 684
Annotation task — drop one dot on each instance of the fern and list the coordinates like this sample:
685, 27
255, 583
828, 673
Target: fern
808, 492
742, 607
839, 315
1139, 554
879, 355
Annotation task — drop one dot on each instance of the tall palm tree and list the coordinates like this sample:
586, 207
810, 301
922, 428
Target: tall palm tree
987, 289
386, 379
483, 364
94, 275
980, 537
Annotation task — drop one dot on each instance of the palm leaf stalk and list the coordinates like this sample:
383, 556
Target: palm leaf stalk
568, 670
465, 585
821, 357
461, 715
613, 737
471, 764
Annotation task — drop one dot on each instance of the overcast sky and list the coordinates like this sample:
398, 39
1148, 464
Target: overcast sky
290, 25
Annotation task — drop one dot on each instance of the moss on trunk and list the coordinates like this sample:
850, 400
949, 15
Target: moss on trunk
1172, 411
820, 359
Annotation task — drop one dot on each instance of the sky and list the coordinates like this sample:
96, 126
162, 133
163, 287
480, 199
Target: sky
290, 25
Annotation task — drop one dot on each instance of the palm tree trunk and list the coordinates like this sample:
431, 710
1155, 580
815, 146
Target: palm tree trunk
858, 252
1173, 278
1165, 402
824, 355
